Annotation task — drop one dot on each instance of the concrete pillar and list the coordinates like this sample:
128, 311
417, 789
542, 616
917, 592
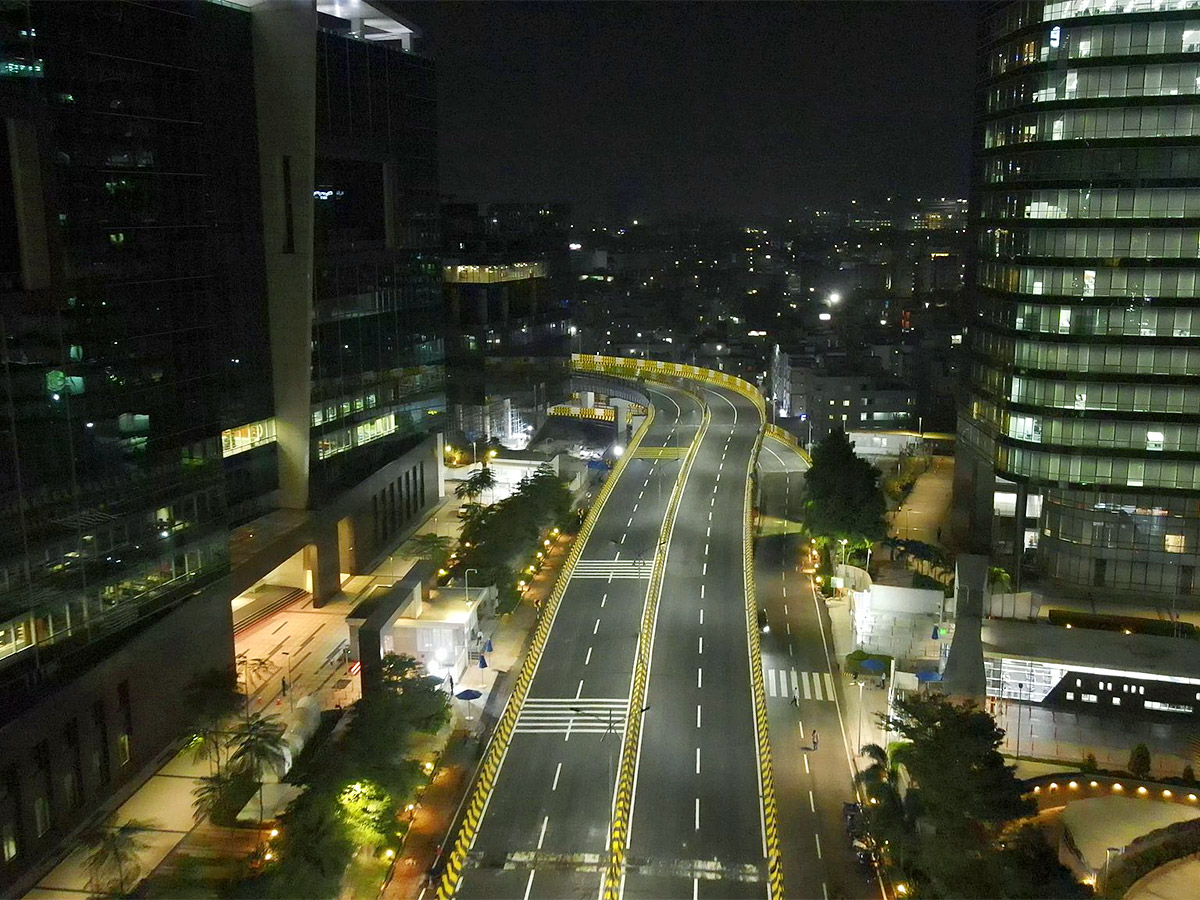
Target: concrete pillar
587, 399
285, 83
322, 557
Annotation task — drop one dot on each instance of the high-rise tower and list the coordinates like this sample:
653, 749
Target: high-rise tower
1083, 367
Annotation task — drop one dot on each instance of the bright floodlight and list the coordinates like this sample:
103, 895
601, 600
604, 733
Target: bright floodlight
617, 450
835, 298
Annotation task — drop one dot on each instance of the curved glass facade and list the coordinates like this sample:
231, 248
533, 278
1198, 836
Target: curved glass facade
1084, 368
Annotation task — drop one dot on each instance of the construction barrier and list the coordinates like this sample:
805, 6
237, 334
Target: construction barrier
497, 747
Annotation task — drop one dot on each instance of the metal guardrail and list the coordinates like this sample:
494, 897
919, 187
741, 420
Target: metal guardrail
498, 745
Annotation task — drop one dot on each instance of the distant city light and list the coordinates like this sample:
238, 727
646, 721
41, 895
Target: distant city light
825, 317
574, 245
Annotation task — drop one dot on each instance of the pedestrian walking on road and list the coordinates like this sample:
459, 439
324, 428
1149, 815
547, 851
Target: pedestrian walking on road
796, 697
939, 534
814, 739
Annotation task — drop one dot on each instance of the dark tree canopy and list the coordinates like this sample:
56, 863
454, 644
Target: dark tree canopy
843, 496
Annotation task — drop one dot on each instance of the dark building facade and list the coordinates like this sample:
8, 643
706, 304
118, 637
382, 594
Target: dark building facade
1082, 363
221, 303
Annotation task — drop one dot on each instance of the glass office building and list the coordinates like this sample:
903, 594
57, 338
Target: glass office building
1084, 358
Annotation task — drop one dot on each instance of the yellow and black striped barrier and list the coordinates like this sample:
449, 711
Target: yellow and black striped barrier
594, 413
761, 725
498, 745
623, 797
662, 452
786, 437
653, 368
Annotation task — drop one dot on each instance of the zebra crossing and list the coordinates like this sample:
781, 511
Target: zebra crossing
564, 715
810, 685
612, 568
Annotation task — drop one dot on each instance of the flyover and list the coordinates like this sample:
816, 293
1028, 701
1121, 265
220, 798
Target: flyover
633, 758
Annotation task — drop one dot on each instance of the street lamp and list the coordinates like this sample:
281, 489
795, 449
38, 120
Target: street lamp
467, 584
291, 687
843, 542
860, 706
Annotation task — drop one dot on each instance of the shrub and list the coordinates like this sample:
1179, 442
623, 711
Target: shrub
1139, 761
1188, 775
1090, 766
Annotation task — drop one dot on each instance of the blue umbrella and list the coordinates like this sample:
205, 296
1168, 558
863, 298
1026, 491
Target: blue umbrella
928, 675
872, 665
468, 694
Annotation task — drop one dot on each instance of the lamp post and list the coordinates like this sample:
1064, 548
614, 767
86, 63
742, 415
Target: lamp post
1108, 852
291, 687
843, 542
1020, 690
858, 746
467, 584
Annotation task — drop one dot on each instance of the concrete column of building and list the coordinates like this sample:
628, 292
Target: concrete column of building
29, 202
321, 556
621, 415
1018, 537
587, 399
285, 82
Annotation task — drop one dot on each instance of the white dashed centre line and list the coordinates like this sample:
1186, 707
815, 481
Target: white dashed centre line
630, 522
579, 690
699, 677
697, 715
788, 627
818, 838
785, 612
542, 836
706, 548
805, 757
588, 659
698, 815
704, 571
529, 883
702, 597
812, 804
697, 760
557, 772
623, 537
701, 646
596, 627
701, 617
708, 531
604, 600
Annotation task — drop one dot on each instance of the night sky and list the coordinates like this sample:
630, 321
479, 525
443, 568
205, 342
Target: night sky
743, 109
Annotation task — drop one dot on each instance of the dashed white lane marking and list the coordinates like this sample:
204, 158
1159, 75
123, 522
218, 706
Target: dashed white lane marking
788, 627
542, 836
698, 815
587, 660
824, 891
708, 532
640, 493
529, 883
579, 690
603, 600
812, 804
701, 617
701, 646
596, 627
818, 838
785, 612
706, 548
701, 592
697, 760
712, 502
804, 757
704, 571
699, 678
710, 515
623, 538
635, 506
697, 715
557, 772
785, 594
630, 522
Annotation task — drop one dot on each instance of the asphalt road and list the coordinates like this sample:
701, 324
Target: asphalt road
811, 784
696, 828
544, 831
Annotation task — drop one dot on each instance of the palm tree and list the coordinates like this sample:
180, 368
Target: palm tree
482, 480
260, 746
213, 697
113, 861
433, 547
206, 796
999, 581
205, 743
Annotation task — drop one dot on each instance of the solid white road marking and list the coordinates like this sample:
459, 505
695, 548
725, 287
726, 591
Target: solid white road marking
588, 659
528, 884
542, 836
557, 772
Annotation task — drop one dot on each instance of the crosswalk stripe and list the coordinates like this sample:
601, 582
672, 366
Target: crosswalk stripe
828, 687
814, 685
771, 683
555, 715
795, 686
807, 690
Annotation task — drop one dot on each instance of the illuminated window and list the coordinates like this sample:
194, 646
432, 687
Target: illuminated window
1175, 543
246, 437
1154, 440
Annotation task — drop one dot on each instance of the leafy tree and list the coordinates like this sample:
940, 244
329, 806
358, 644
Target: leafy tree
213, 697
113, 865
313, 848
1090, 766
1188, 776
999, 581
259, 746
843, 499
1139, 761
1027, 867
433, 547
